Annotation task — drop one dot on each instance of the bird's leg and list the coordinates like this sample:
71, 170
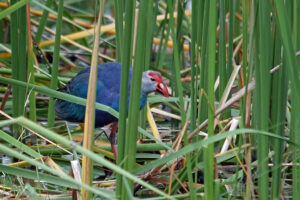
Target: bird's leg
113, 138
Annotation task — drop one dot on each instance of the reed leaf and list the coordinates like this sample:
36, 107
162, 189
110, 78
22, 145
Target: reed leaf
55, 137
126, 63
89, 120
54, 69
208, 152
13, 8
18, 58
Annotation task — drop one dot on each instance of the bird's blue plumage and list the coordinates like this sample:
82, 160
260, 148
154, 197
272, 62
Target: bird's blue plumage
108, 93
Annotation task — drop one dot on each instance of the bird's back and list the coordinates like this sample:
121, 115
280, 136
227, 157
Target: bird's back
108, 93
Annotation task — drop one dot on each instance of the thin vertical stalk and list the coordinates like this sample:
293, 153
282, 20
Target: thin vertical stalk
295, 125
194, 47
119, 8
222, 49
180, 17
43, 21
134, 103
165, 32
200, 34
148, 51
246, 5
54, 70
202, 113
295, 103
179, 92
31, 77
278, 106
245, 70
126, 62
179, 89
89, 121
209, 151
2, 32
285, 32
296, 26
293, 73
262, 78
18, 60
246, 17
199, 7
217, 189
232, 8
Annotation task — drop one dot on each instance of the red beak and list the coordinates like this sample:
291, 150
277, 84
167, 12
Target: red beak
161, 86
162, 89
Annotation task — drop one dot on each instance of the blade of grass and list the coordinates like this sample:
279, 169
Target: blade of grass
100, 192
134, 101
232, 10
29, 174
18, 60
152, 124
222, 49
54, 69
11, 140
199, 7
55, 13
293, 73
14, 7
194, 48
262, 94
55, 137
176, 62
203, 143
246, 6
179, 92
285, 32
202, 111
278, 106
43, 22
126, 62
209, 151
119, 7
151, 19
32, 97
295, 134
89, 120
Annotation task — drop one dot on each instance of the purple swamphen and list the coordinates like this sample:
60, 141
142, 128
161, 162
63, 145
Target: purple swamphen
107, 93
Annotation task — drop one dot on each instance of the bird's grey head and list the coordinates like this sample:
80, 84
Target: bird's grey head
152, 82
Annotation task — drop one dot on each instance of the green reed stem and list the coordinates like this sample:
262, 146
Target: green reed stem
134, 102
54, 71
18, 59
209, 151
126, 63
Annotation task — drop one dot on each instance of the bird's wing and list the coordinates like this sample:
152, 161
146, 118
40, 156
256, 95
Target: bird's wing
78, 86
109, 87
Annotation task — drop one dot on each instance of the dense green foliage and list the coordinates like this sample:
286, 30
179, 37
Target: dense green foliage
229, 129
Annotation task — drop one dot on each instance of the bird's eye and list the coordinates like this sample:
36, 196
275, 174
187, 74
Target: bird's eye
152, 79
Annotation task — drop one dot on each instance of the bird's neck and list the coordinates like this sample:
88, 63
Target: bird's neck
143, 99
